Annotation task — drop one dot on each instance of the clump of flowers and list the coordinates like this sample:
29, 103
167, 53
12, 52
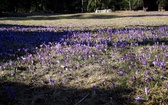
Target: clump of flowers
136, 57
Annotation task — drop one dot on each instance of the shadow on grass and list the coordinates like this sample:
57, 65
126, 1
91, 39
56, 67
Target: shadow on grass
75, 16
17, 40
12, 93
152, 41
18, 26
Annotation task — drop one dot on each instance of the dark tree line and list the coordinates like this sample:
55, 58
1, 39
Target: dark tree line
74, 6
40, 6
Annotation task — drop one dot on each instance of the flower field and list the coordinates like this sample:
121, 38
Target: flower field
106, 62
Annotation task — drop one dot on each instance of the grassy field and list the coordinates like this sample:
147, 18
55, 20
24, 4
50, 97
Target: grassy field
118, 58
115, 19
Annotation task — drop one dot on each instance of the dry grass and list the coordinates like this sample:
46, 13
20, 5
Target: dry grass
114, 19
88, 85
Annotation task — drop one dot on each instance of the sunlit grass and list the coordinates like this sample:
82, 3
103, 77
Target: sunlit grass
114, 19
115, 58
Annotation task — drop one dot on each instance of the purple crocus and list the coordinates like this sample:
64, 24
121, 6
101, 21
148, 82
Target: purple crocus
10, 63
113, 84
155, 63
133, 78
66, 63
147, 72
163, 77
139, 99
121, 73
137, 72
162, 64
146, 90
51, 80
144, 62
167, 86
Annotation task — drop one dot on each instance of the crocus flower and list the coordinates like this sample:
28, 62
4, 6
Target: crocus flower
121, 73
163, 77
167, 85
133, 78
113, 84
146, 90
139, 99
155, 63
51, 80
144, 62
137, 72
10, 63
147, 72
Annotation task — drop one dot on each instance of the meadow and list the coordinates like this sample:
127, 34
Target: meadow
118, 58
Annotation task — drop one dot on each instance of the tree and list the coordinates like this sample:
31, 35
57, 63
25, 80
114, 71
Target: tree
134, 4
93, 5
74, 6
163, 3
130, 2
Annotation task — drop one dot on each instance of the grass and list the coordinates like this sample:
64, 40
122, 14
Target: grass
84, 59
114, 19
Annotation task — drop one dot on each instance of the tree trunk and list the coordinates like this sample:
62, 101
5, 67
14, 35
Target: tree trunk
130, 5
82, 7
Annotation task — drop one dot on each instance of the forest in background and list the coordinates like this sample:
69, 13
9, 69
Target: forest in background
76, 6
